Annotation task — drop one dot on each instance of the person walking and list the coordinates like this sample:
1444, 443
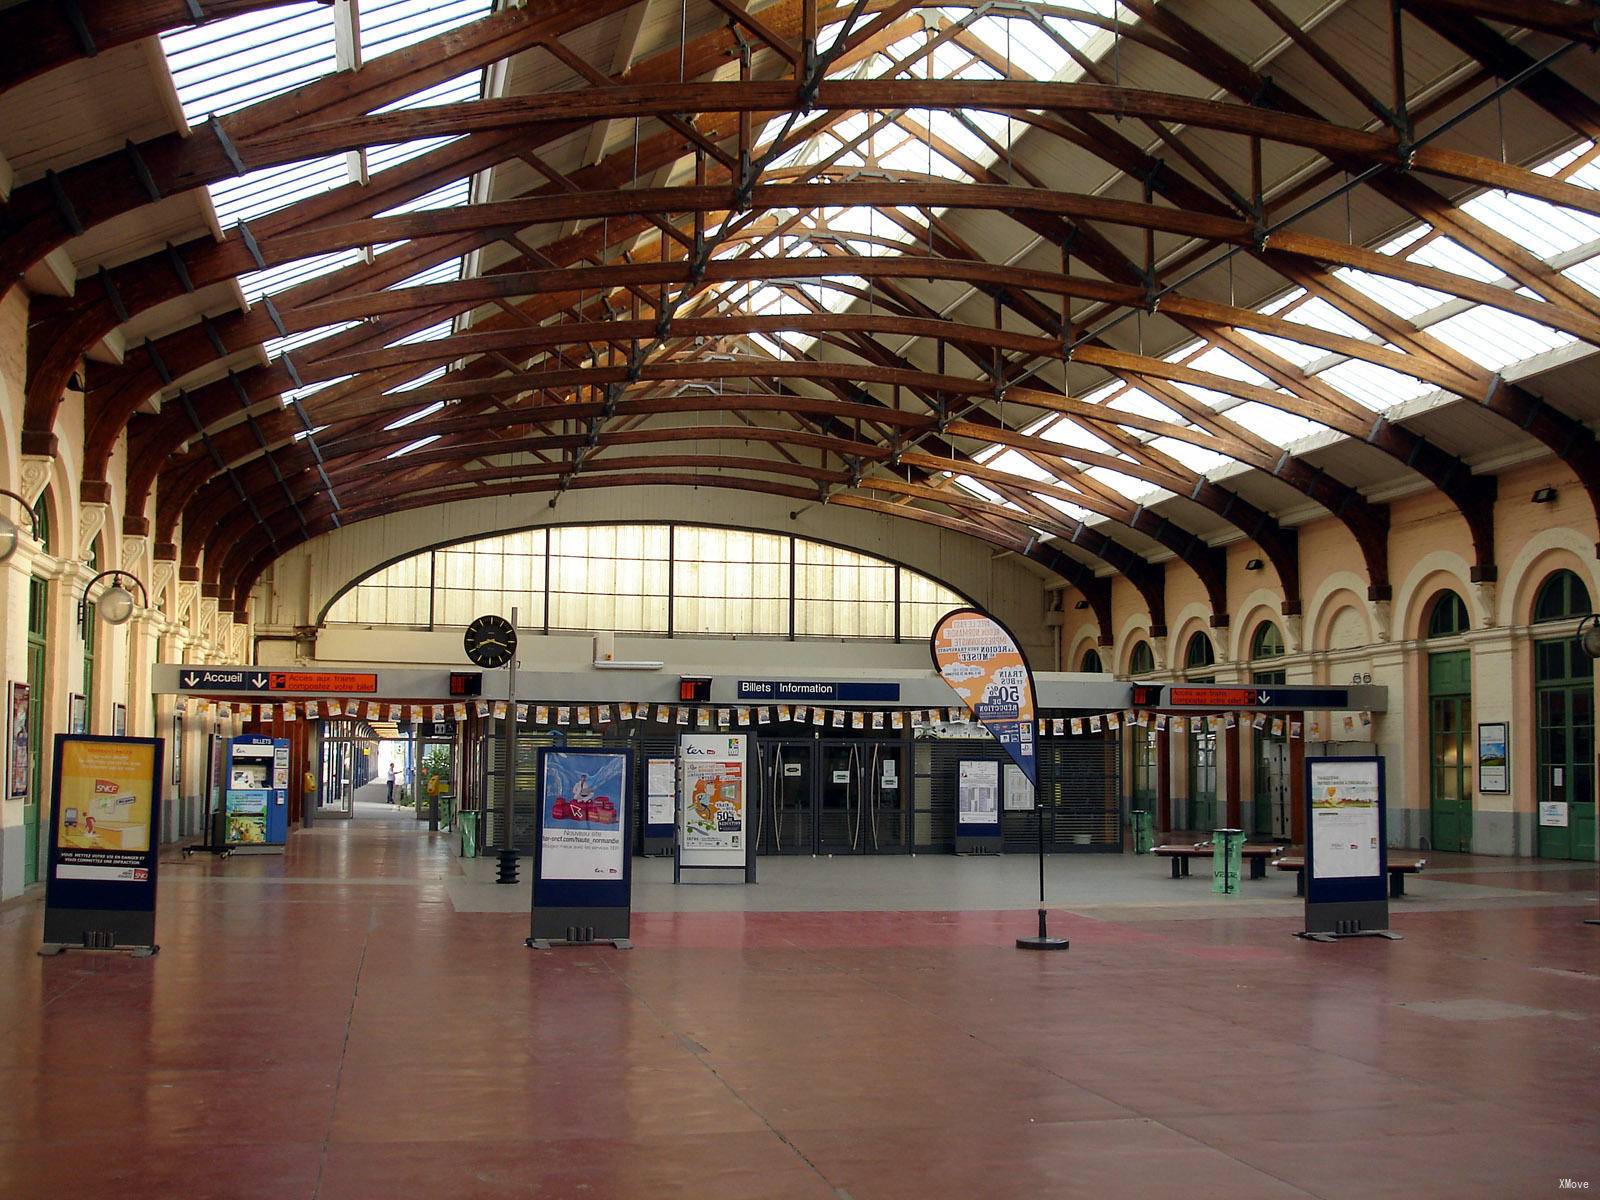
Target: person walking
391, 782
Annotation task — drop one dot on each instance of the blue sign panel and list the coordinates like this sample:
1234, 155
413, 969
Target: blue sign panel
198, 679
791, 689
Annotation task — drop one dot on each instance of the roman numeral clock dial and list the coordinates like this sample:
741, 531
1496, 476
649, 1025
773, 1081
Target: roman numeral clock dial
490, 641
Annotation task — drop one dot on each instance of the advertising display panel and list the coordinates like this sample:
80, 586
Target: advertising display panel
711, 780
581, 797
977, 792
582, 872
1346, 858
100, 885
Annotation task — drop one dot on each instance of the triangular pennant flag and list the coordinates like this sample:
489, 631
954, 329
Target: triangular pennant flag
763, 715
858, 719
877, 720
1113, 721
1094, 723
1060, 724
897, 719
583, 714
603, 714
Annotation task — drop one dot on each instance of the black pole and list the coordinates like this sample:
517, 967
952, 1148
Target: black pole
1043, 941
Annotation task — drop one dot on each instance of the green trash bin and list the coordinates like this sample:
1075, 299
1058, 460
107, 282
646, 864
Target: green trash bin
1226, 859
1144, 831
469, 834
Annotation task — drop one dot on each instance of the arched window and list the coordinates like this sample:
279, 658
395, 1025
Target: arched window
1091, 663
1199, 652
1562, 595
1448, 615
1142, 661
41, 520
1267, 642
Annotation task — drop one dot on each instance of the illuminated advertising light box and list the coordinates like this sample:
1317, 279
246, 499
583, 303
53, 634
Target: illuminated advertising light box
582, 869
100, 883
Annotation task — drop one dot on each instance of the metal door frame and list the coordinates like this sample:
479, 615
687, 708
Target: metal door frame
769, 791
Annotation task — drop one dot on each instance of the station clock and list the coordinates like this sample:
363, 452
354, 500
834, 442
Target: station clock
490, 641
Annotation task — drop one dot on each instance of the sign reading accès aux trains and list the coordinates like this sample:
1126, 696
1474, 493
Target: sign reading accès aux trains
250, 679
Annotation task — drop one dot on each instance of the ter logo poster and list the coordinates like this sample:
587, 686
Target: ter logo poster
977, 656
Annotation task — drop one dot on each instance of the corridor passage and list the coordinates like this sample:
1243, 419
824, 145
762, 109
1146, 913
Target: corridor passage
328, 1024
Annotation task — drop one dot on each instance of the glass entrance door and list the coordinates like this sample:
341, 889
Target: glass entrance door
842, 800
888, 799
784, 822
336, 793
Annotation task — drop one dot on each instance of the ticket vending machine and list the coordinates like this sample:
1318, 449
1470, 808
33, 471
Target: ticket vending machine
257, 808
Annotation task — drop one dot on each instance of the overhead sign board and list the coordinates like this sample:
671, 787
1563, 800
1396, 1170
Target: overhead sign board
841, 690
1263, 696
248, 679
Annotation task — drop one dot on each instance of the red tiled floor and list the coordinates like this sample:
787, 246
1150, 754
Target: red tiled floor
325, 1025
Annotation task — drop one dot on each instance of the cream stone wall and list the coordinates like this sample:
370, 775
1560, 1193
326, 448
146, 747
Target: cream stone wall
1341, 636
124, 654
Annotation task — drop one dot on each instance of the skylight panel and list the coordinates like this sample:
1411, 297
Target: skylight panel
1076, 512
412, 417
1070, 433
1405, 300
1020, 464
416, 445
431, 334
1450, 255
1585, 274
1372, 386
1280, 428
1196, 458
1143, 404
230, 64
389, 25
257, 193
1543, 229
1496, 340
296, 341
1137, 490
1298, 353
419, 381
272, 280
1319, 314
1219, 362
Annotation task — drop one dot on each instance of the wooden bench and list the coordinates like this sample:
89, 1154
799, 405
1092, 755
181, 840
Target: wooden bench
1400, 866
1257, 854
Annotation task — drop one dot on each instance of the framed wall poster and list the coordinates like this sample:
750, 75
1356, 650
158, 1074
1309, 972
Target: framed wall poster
977, 792
1018, 791
17, 739
119, 720
77, 713
1494, 758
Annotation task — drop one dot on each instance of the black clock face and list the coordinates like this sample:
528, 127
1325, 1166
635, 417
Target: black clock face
490, 641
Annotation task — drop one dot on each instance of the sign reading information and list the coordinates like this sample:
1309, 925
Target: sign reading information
978, 657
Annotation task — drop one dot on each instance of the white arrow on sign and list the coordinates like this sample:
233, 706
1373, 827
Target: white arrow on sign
1263, 697
190, 680
258, 681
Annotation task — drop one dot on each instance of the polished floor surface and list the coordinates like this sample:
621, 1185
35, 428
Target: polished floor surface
352, 1019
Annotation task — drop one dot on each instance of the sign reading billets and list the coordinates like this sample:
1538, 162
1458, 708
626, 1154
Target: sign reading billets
840, 690
582, 876
198, 679
100, 886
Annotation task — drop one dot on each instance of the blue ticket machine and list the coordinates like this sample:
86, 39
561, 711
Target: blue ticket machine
257, 773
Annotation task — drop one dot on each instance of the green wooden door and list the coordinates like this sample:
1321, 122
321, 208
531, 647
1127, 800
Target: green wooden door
1269, 791
1450, 750
38, 622
1564, 712
1202, 781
